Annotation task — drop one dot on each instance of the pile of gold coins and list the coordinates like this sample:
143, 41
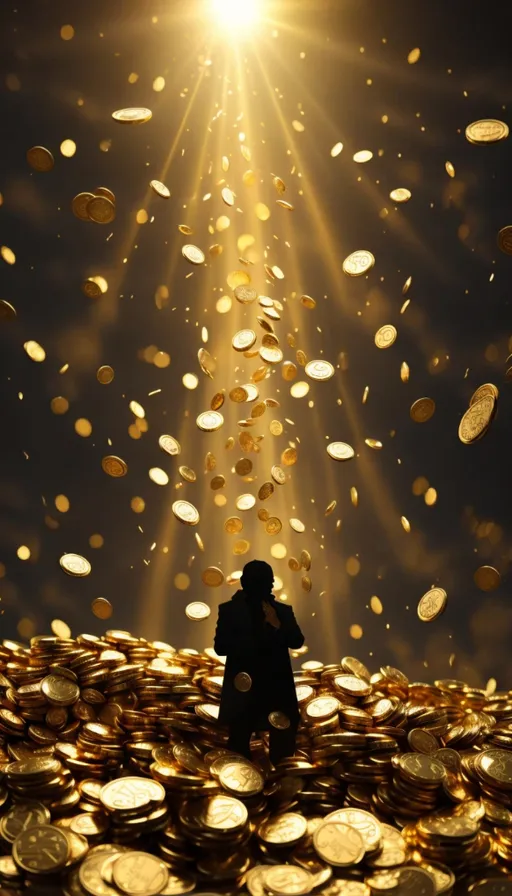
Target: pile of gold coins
116, 779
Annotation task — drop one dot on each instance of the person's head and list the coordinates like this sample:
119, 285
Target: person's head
257, 578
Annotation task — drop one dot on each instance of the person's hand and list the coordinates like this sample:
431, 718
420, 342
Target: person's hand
271, 615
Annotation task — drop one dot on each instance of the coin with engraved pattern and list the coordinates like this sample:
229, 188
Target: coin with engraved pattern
132, 115
140, 874
288, 880
223, 813
477, 419
42, 849
22, 816
284, 829
186, 512
358, 263
432, 604
487, 130
243, 682
193, 254
363, 822
114, 466
340, 451
170, 445
40, 159
160, 189
422, 410
338, 844
241, 778
385, 336
132, 792
319, 370
75, 565
209, 421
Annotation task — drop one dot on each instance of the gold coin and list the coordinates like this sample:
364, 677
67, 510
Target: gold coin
192, 253
238, 394
419, 768
187, 474
207, 364
41, 850
218, 400
79, 205
330, 507
140, 874
132, 115
243, 340
241, 546
114, 466
169, 445
338, 844
233, 525
432, 604
22, 816
228, 197
160, 189
210, 462
186, 512
319, 370
271, 354
7, 311
305, 560
487, 130
487, 578
477, 419
422, 410
289, 371
101, 210
40, 159
279, 720
75, 565
209, 421
105, 374
340, 451
245, 294
104, 191
185, 229
217, 482
361, 821
284, 829
130, 793
482, 391
278, 474
59, 690
385, 336
358, 263
306, 583
265, 491
308, 301
243, 682
373, 443
241, 778
245, 502
243, 466
102, 608
287, 205
35, 351
288, 880
91, 288
273, 525
197, 610
279, 184
401, 194
297, 525
223, 813
505, 239
212, 576
289, 457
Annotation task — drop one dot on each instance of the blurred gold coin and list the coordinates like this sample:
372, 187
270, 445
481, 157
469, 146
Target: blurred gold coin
273, 525
294, 564
245, 502
187, 474
104, 191
243, 682
217, 482
358, 263
185, 229
487, 578
401, 194
287, 205
169, 445
186, 512
271, 354
278, 474
7, 311
207, 363
338, 844
297, 525
105, 374
228, 197
210, 462
197, 610
385, 336
42, 850
91, 288
505, 239
35, 351
238, 394
160, 189
305, 559
477, 419
482, 391
373, 443
132, 115
218, 400
265, 491
422, 410
289, 371
319, 370
288, 880
432, 604
308, 301
209, 421
212, 576
487, 130
340, 451
139, 874
233, 525
75, 565
330, 507
193, 254
289, 457
114, 466
243, 466
279, 184
102, 608
245, 294
101, 210
40, 159
243, 340
79, 205
21, 816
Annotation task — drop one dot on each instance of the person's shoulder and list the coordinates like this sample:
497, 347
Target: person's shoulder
286, 607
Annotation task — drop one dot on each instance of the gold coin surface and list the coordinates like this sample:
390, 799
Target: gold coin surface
75, 565
187, 474
233, 525
338, 843
483, 391
41, 849
283, 829
422, 410
91, 288
130, 793
505, 239
245, 502
140, 874
358, 263
186, 512
279, 720
278, 474
59, 690
160, 189
207, 363
420, 768
319, 370
132, 115
209, 421
22, 816
212, 576
40, 159
238, 394
218, 400
243, 682
105, 374
224, 813
102, 608
7, 311
241, 778
432, 604
79, 205
104, 191
101, 210
340, 451
245, 294
243, 340
170, 445
385, 336
288, 880
193, 254
487, 130
476, 420
114, 466
487, 578
401, 194
297, 525
363, 822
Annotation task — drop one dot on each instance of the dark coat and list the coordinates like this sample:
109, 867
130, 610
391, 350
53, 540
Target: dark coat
252, 645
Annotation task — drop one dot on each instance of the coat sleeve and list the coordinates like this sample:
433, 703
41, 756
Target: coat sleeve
223, 640
289, 633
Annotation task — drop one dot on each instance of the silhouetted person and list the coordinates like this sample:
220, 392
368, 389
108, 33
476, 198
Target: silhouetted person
254, 632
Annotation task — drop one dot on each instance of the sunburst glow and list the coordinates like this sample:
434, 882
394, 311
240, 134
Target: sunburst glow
235, 14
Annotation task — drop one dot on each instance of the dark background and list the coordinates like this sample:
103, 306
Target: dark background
445, 238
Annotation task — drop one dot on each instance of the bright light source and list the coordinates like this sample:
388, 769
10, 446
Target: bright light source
235, 14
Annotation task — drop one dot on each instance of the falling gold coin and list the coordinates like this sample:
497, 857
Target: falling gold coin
245, 294
385, 336
358, 263
278, 474
101, 608
104, 191
105, 374
79, 205
308, 301
401, 194
169, 445
245, 502
271, 355
482, 391
505, 239
187, 474
487, 130
218, 400
373, 443
319, 370
91, 288
212, 576
209, 421
279, 720
101, 210
192, 253
185, 229
197, 610
7, 311
243, 682
40, 159
114, 466
487, 578
265, 491
422, 410
228, 197
243, 340
477, 419
297, 525
273, 525
132, 115
35, 351
75, 565
233, 525
340, 451
160, 189
432, 604
186, 512
338, 844
207, 363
